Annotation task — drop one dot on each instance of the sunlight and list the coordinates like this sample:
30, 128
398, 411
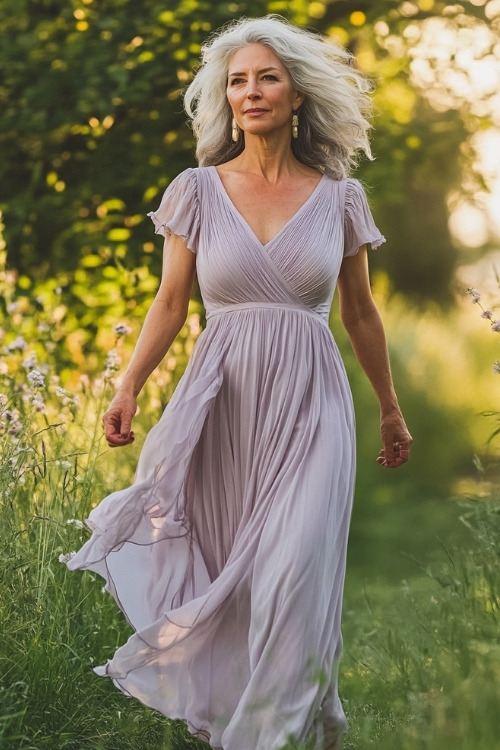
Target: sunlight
459, 66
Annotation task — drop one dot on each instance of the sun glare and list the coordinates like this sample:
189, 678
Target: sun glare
459, 66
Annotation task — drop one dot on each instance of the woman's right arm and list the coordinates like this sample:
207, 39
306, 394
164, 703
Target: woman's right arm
163, 322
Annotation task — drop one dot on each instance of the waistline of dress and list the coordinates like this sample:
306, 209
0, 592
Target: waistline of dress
265, 306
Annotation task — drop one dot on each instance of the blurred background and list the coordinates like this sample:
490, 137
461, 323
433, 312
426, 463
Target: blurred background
92, 130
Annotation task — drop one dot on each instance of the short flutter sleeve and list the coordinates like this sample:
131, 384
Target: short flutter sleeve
179, 212
359, 227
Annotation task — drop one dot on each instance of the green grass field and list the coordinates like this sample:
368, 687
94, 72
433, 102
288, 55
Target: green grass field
421, 667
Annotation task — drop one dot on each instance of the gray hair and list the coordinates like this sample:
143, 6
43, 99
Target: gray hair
333, 116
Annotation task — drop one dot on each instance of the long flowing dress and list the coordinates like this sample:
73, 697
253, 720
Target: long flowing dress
227, 554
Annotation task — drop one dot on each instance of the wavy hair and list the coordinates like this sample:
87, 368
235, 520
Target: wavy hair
333, 116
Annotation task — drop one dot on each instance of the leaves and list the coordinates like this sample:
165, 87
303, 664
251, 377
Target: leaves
91, 112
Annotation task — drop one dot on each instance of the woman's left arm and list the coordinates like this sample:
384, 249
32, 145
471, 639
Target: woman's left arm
366, 332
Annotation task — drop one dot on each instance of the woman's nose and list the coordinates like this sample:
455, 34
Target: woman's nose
253, 91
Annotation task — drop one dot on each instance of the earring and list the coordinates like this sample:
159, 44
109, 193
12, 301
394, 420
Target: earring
235, 131
295, 125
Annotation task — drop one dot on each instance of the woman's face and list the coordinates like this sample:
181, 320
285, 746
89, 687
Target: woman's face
260, 91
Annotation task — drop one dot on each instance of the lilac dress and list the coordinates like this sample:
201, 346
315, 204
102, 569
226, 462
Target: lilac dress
227, 554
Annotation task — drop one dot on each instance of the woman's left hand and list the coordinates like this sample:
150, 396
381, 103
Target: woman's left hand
396, 439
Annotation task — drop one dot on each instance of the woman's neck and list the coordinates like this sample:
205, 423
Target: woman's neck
270, 160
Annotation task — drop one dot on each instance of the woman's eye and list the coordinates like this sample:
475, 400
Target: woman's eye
234, 81
270, 77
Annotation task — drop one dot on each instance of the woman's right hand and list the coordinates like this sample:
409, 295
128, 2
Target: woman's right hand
117, 420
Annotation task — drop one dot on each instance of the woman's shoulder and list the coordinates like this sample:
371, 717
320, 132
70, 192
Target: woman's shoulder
350, 187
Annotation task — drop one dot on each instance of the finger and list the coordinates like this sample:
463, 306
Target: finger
117, 440
392, 463
126, 423
116, 423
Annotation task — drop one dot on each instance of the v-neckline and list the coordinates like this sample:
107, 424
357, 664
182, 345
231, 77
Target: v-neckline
245, 222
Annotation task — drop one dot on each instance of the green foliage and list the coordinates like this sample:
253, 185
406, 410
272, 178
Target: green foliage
92, 128
422, 664
421, 667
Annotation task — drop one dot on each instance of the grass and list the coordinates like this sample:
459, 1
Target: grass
421, 667
422, 664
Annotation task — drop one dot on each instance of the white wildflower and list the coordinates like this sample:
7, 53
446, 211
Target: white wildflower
475, 295
75, 522
495, 325
15, 428
30, 362
38, 402
18, 343
113, 363
3, 399
121, 329
36, 378
66, 558
64, 464
496, 367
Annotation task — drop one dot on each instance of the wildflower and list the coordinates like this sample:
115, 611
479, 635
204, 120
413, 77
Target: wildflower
488, 314
30, 361
121, 329
36, 379
38, 402
66, 558
64, 464
113, 363
18, 343
495, 325
496, 367
76, 522
15, 427
3, 399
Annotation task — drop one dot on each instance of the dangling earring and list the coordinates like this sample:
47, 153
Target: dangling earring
235, 131
295, 125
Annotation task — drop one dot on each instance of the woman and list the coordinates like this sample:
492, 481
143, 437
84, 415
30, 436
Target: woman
228, 553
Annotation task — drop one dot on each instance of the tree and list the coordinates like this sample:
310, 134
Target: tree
92, 127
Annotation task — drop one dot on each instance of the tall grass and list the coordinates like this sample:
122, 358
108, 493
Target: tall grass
421, 668
422, 662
